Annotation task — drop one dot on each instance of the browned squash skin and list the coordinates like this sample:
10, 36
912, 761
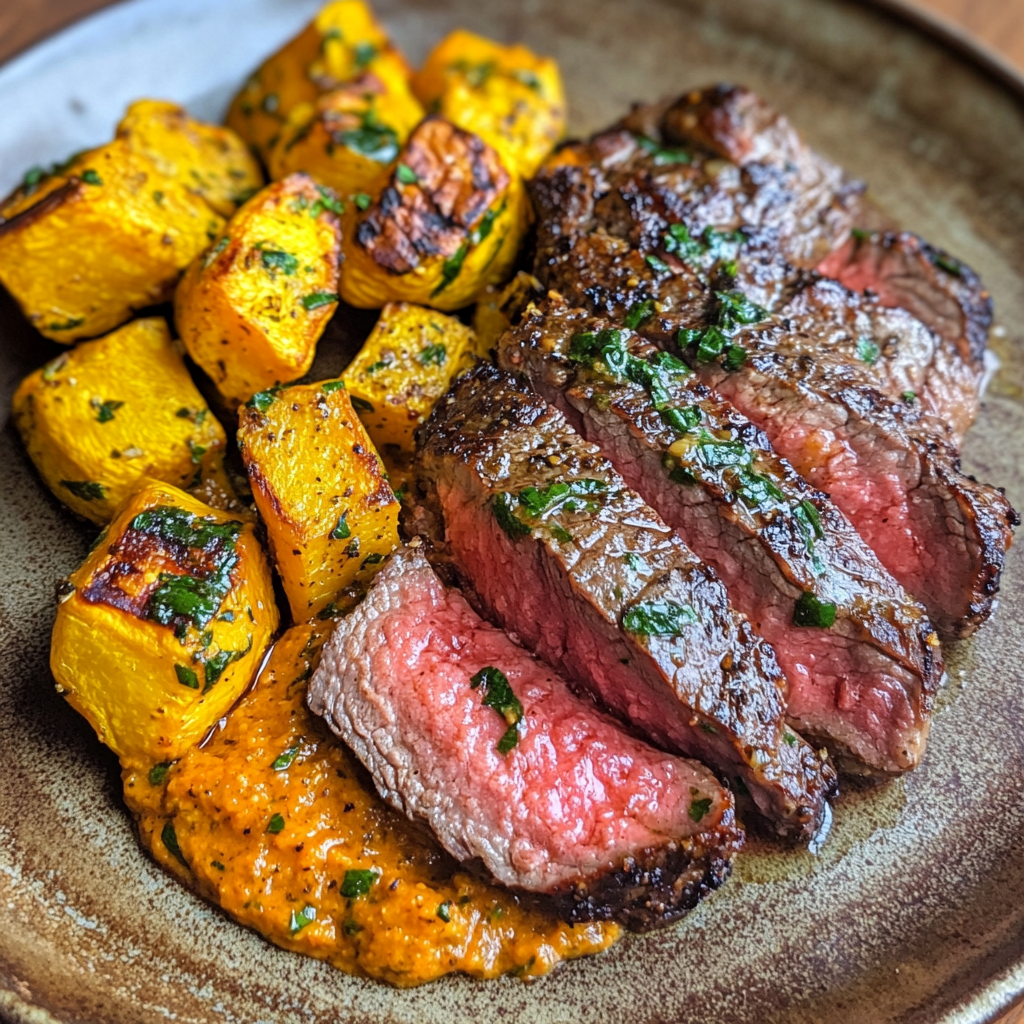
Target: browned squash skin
268, 818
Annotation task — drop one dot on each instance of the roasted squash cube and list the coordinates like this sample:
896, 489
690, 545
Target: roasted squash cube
507, 95
164, 625
251, 310
350, 138
342, 42
447, 224
403, 368
320, 487
500, 308
211, 161
81, 250
111, 412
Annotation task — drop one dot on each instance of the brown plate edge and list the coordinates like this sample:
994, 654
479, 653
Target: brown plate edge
996, 997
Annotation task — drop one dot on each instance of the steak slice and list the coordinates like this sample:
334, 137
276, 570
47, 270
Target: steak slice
863, 685
569, 807
901, 270
548, 541
892, 471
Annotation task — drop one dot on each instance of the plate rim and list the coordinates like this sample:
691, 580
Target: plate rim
999, 994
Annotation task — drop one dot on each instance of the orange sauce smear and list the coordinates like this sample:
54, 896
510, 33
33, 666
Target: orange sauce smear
270, 815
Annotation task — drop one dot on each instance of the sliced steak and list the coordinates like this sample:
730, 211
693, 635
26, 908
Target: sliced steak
892, 471
561, 802
548, 541
947, 296
862, 679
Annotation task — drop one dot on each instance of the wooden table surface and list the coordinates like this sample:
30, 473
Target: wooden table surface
997, 23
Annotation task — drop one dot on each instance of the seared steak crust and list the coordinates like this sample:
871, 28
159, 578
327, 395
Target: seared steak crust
863, 686
632, 834
548, 541
892, 471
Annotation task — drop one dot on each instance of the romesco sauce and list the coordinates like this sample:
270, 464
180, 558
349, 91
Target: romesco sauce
276, 822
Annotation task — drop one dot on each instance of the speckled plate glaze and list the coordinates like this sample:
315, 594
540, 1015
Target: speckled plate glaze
913, 912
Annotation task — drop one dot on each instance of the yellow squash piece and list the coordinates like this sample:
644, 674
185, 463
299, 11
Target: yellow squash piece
251, 310
99, 419
507, 95
499, 308
342, 42
403, 368
164, 625
211, 161
447, 224
350, 138
80, 251
319, 485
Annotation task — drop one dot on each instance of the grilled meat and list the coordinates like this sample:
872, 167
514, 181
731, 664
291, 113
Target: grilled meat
463, 729
864, 684
548, 541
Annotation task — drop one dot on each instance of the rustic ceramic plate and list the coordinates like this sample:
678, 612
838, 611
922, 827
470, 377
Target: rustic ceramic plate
914, 911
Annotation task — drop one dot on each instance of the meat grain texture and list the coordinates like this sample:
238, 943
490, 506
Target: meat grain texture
576, 811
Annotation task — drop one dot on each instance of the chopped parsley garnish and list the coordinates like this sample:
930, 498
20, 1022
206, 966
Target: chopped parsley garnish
909, 397
444, 911
656, 263
105, 410
187, 676
330, 386
789, 739
451, 268
170, 840
867, 351
374, 558
476, 74
406, 175
682, 419
197, 450
33, 176
527, 78
317, 299
341, 531
357, 882
638, 313
68, 325
498, 695
215, 665
276, 824
362, 200
537, 502
662, 155
658, 618
277, 260
327, 200
90, 177
504, 512
735, 357
486, 225
263, 400
215, 252
374, 140
948, 264
698, 808
87, 490
158, 772
810, 519
218, 865
733, 310
381, 364
809, 611
301, 918
363, 53
433, 355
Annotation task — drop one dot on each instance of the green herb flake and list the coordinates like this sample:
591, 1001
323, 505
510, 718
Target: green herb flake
735, 357
486, 225
444, 911
197, 451
658, 618
698, 808
86, 490
948, 264
170, 840
451, 268
662, 155
218, 865
90, 177
187, 676
909, 397
277, 260
363, 53
341, 531
158, 772
682, 420
317, 299
656, 263
300, 918
525, 77
362, 200
807, 514
262, 400
215, 665
433, 355
809, 611
105, 410
158, 197
33, 176
561, 534
867, 351
789, 739
504, 511
68, 325
276, 824
406, 175
330, 386
638, 313
357, 882
215, 252
498, 695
